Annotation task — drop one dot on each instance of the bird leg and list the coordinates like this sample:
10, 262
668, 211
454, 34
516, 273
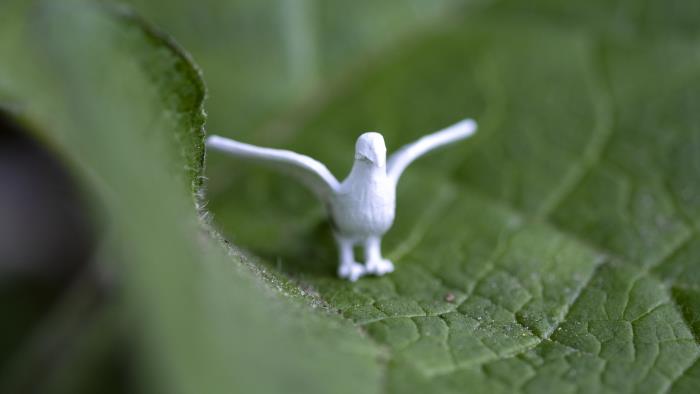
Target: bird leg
374, 263
349, 268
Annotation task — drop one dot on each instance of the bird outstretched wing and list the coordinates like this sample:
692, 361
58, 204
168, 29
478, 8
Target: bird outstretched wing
309, 171
400, 159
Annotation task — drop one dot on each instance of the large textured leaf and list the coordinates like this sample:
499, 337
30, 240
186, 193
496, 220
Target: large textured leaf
124, 107
557, 250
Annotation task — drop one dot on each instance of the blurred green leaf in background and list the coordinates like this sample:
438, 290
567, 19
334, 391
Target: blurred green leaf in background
556, 251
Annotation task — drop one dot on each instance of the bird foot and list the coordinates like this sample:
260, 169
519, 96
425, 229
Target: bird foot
351, 271
379, 267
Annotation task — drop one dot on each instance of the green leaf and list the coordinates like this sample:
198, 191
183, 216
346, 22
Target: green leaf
558, 249
123, 106
261, 57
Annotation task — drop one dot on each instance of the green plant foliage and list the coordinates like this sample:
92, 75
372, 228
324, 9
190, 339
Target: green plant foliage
556, 251
261, 56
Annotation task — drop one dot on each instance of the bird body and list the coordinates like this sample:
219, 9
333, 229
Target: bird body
366, 186
362, 207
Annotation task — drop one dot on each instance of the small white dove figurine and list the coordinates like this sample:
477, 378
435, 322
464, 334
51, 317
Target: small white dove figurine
362, 207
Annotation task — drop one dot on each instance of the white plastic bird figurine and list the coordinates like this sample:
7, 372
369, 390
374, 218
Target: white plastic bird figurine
362, 207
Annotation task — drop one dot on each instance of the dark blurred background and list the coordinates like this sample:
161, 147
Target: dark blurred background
53, 288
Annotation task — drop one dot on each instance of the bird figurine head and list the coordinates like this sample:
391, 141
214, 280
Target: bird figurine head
370, 147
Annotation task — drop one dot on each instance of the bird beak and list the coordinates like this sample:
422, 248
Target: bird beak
378, 158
